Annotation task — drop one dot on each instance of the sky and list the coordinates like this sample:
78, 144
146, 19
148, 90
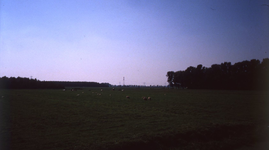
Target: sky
141, 40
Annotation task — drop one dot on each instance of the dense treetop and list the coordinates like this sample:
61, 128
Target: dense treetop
245, 75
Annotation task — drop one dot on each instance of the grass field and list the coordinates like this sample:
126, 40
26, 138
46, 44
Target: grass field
95, 119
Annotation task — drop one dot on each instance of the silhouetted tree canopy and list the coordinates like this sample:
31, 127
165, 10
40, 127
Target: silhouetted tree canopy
170, 75
26, 83
245, 75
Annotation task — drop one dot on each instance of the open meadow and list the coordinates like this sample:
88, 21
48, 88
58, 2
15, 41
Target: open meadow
92, 118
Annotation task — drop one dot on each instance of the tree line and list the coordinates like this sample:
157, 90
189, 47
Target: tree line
26, 83
245, 75
80, 84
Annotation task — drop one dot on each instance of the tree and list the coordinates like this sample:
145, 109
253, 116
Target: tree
170, 78
245, 75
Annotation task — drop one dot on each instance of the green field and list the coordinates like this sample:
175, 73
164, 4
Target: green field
95, 119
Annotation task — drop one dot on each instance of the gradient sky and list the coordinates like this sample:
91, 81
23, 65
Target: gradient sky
141, 40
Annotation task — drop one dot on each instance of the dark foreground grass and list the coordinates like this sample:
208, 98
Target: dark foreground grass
95, 119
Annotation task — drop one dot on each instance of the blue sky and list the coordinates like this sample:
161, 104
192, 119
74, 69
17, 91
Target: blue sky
141, 40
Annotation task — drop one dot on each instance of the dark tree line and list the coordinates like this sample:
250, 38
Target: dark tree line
245, 75
81, 84
26, 83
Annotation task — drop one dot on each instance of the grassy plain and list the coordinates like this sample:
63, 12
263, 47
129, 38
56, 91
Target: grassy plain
95, 119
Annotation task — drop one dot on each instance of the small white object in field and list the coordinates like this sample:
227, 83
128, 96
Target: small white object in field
77, 94
63, 89
101, 90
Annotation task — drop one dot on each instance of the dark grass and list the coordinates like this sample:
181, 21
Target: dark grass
173, 119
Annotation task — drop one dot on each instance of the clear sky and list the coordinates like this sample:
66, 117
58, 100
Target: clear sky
141, 40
